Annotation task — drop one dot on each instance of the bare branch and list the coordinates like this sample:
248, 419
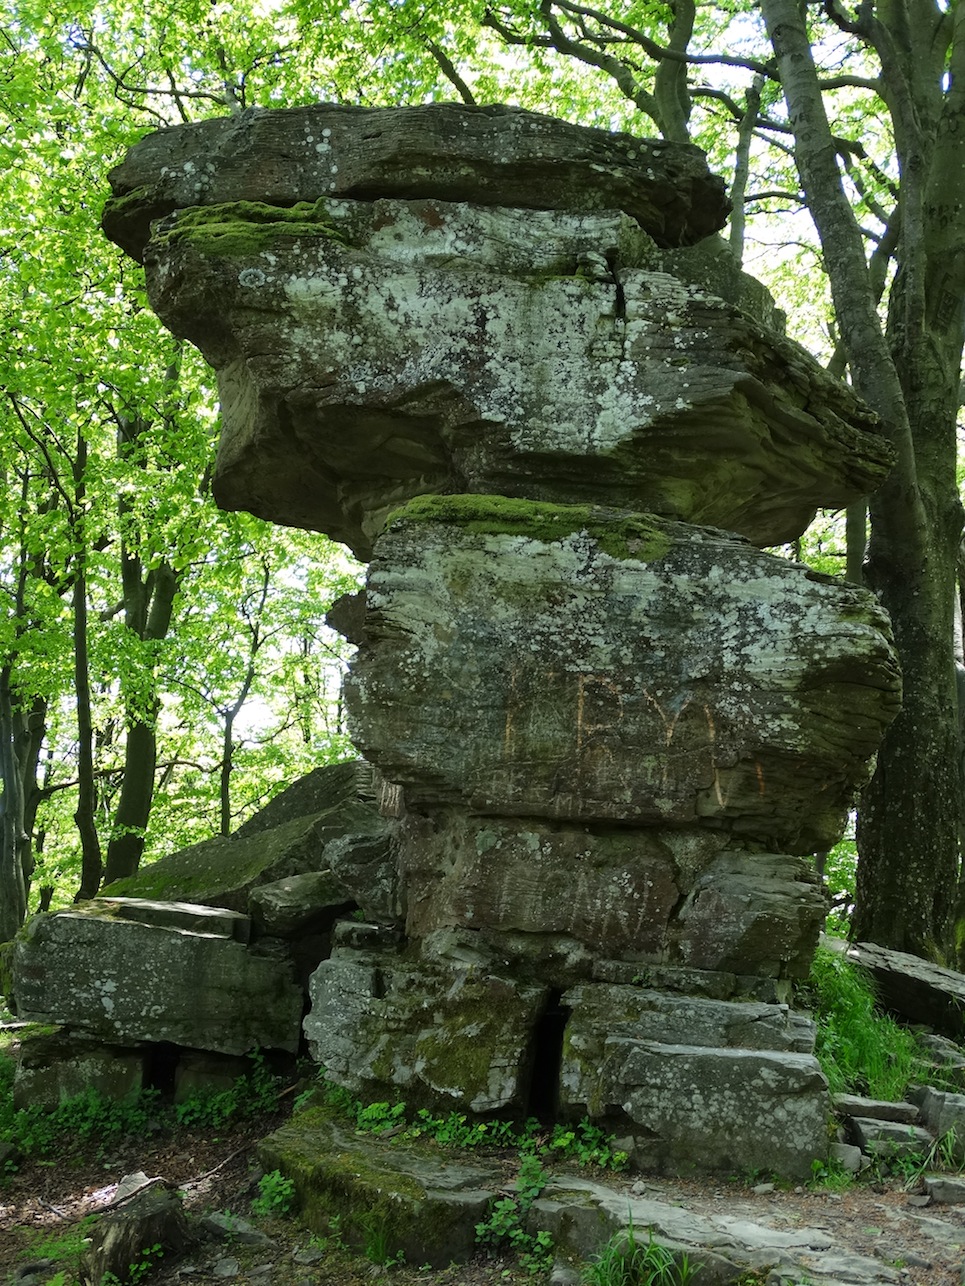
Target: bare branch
448, 69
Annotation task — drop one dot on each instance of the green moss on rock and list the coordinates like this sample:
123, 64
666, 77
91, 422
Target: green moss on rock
622, 535
240, 229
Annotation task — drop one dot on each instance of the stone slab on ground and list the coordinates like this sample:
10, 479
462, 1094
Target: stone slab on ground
889, 1138
288, 837
857, 1105
945, 1190
124, 981
944, 1113
425, 1202
916, 990
429, 1203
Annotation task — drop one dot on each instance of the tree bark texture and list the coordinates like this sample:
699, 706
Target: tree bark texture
908, 821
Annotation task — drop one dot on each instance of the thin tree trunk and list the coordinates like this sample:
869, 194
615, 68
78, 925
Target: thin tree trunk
13, 889
907, 831
86, 813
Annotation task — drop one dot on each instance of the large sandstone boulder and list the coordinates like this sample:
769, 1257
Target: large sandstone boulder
696, 1078
644, 894
431, 1031
583, 665
372, 351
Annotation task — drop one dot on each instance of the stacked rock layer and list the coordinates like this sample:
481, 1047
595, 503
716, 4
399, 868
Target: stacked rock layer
474, 345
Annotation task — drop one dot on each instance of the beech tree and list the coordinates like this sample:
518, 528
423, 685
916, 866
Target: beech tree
123, 591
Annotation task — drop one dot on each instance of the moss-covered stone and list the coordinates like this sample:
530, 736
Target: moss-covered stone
622, 535
422, 1202
242, 229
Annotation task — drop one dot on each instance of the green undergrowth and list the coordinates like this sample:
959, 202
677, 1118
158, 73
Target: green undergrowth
89, 1120
861, 1050
583, 1142
627, 1260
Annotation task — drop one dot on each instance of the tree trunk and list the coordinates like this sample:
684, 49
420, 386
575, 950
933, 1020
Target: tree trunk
908, 818
13, 889
148, 608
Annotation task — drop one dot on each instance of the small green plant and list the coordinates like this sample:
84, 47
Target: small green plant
146, 1264
505, 1225
276, 1194
587, 1144
376, 1242
627, 1261
829, 1176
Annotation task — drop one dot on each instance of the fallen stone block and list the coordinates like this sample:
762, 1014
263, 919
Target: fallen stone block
101, 973
54, 1066
431, 1033
885, 1139
423, 1202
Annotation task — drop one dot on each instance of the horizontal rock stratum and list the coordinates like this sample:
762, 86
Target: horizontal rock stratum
578, 664
485, 155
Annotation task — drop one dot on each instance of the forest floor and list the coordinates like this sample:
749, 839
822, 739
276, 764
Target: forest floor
44, 1203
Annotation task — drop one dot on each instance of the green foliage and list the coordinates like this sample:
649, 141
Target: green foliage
627, 1261
505, 1226
861, 1050
584, 1142
840, 871
67, 1246
943, 1154
829, 1176
276, 1194
376, 1242
587, 1144
39, 1132
255, 1094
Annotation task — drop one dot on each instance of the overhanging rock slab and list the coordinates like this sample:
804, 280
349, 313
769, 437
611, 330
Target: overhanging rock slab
372, 351
94, 970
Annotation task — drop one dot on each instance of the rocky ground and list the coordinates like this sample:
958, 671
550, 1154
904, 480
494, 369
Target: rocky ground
43, 1206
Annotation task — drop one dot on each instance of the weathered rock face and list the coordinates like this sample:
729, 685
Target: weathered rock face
489, 350
600, 667
128, 971
485, 155
372, 351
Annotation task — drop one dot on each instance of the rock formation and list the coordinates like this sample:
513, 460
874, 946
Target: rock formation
486, 350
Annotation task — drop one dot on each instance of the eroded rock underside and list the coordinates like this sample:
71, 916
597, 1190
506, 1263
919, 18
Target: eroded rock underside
487, 350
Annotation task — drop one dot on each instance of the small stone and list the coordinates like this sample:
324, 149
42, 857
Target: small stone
564, 1275
919, 1201
762, 1189
911, 1260
226, 1268
224, 1227
310, 1255
130, 1184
